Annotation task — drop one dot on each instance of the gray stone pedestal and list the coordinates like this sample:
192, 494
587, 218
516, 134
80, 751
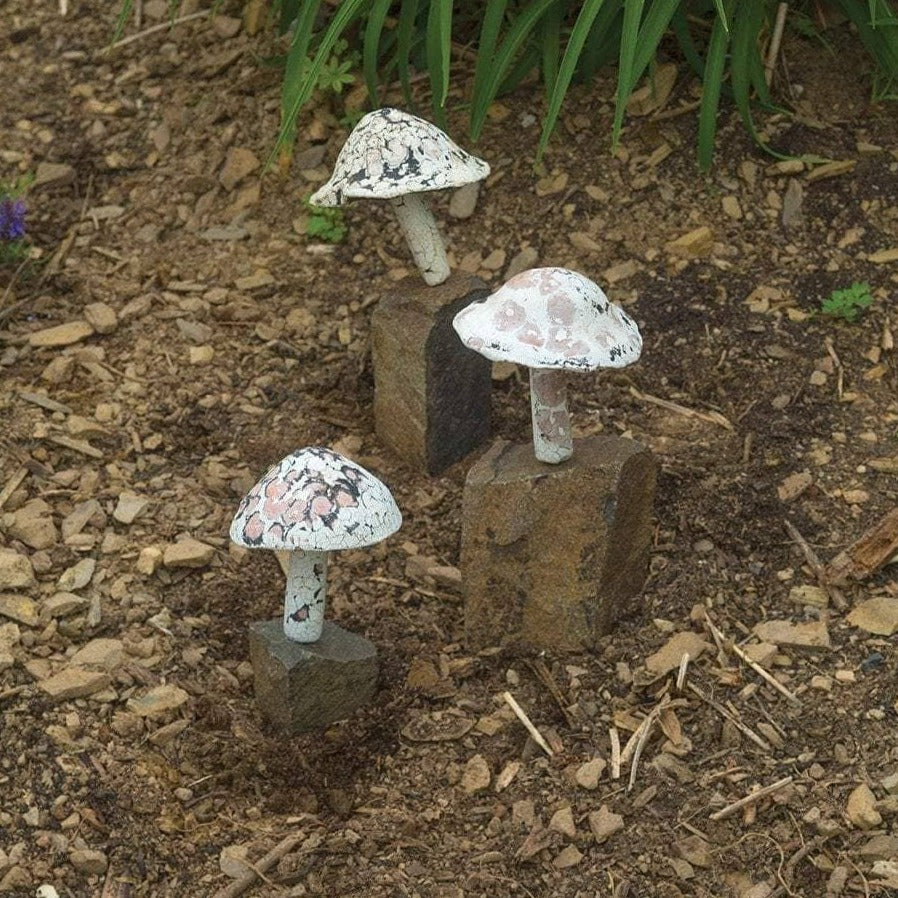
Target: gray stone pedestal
550, 553
431, 393
306, 686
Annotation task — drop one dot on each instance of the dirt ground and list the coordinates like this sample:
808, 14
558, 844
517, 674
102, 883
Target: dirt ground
229, 338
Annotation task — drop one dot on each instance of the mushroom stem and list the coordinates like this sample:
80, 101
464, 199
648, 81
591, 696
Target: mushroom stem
552, 440
305, 596
423, 237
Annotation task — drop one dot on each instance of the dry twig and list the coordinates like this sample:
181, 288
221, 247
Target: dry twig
710, 417
750, 799
746, 730
544, 675
767, 677
239, 886
156, 28
615, 753
535, 734
816, 566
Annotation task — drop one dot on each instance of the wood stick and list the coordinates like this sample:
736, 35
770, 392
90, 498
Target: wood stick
746, 730
239, 886
12, 485
869, 552
710, 417
154, 29
834, 593
615, 753
544, 675
749, 799
767, 677
681, 673
640, 745
535, 734
775, 40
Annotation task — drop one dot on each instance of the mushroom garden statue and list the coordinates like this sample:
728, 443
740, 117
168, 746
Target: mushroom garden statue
555, 539
431, 395
308, 671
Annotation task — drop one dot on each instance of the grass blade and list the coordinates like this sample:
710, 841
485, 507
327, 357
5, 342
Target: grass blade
712, 81
371, 45
603, 40
298, 89
520, 30
626, 78
493, 16
579, 33
550, 28
654, 25
439, 51
405, 32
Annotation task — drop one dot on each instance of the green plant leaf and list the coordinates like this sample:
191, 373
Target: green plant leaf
603, 40
371, 45
626, 72
298, 89
486, 45
519, 31
579, 33
550, 38
405, 33
439, 53
712, 81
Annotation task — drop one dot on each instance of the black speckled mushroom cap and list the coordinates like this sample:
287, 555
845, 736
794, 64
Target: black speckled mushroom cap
392, 153
316, 500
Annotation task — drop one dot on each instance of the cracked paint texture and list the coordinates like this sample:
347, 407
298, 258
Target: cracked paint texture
391, 153
550, 318
315, 500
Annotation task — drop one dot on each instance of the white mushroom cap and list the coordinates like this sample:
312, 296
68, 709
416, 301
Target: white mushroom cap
391, 153
550, 318
315, 500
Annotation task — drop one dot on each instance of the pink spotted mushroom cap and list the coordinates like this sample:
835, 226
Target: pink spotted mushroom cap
391, 153
550, 318
315, 500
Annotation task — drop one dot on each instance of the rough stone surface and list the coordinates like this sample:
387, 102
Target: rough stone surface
550, 553
101, 317
61, 334
306, 686
187, 553
431, 394
74, 682
15, 570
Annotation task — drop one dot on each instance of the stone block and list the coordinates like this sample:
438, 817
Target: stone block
304, 686
431, 393
550, 553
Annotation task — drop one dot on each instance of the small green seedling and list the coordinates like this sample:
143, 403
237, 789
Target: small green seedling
847, 303
325, 223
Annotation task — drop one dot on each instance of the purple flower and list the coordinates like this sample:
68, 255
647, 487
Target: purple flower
12, 219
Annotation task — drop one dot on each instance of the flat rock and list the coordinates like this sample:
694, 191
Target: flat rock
861, 808
77, 576
476, 776
562, 821
464, 200
101, 317
129, 507
879, 616
187, 553
16, 571
33, 525
62, 604
19, 608
61, 335
74, 682
302, 687
158, 700
669, 656
812, 634
88, 862
692, 245
521, 261
238, 163
53, 174
880, 848
569, 856
604, 823
589, 774
104, 653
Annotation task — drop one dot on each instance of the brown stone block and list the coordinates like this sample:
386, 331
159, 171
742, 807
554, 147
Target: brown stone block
551, 552
431, 393
304, 686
